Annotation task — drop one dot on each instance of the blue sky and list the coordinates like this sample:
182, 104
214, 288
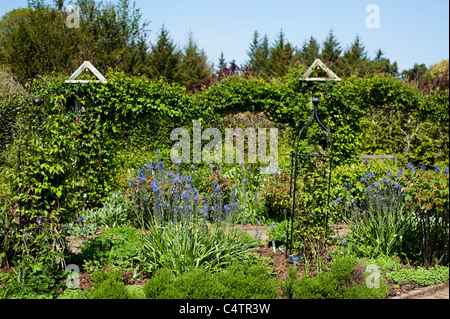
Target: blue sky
409, 31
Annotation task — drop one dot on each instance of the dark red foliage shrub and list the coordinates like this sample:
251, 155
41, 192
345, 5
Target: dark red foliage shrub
427, 86
223, 73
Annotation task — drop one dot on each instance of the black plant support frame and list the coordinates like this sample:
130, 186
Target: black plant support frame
294, 172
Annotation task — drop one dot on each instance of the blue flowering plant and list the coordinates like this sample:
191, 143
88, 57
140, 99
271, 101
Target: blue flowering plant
170, 196
380, 220
184, 228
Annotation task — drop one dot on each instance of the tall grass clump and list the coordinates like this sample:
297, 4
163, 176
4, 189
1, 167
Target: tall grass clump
380, 221
183, 228
403, 212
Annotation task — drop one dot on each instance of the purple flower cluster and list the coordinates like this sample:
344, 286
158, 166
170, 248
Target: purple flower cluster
171, 196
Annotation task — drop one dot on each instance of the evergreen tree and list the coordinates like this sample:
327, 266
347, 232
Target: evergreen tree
138, 63
164, 57
193, 66
331, 51
309, 52
354, 59
259, 55
281, 56
222, 62
263, 63
381, 64
253, 53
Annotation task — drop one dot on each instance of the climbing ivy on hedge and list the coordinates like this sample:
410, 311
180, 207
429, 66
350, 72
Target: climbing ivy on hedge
69, 151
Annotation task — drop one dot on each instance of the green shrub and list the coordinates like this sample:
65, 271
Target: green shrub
73, 294
116, 246
278, 231
108, 285
235, 282
421, 276
363, 292
384, 263
196, 284
32, 279
158, 283
323, 286
248, 282
343, 282
136, 292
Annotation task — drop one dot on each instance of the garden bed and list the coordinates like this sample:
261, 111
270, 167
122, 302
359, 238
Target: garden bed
280, 266
277, 259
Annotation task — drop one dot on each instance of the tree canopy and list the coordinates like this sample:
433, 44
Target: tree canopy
35, 41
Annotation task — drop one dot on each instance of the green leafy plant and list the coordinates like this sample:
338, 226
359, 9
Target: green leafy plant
75, 229
108, 285
73, 294
239, 281
33, 279
135, 292
160, 280
196, 284
380, 222
116, 246
277, 232
345, 281
275, 192
114, 213
421, 275
428, 191
244, 281
194, 247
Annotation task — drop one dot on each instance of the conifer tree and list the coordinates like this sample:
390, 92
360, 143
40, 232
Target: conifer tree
331, 50
309, 51
164, 57
222, 62
193, 66
259, 55
281, 56
354, 60
381, 64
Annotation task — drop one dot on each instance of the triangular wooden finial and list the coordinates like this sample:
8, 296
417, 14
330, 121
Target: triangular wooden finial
86, 65
317, 63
